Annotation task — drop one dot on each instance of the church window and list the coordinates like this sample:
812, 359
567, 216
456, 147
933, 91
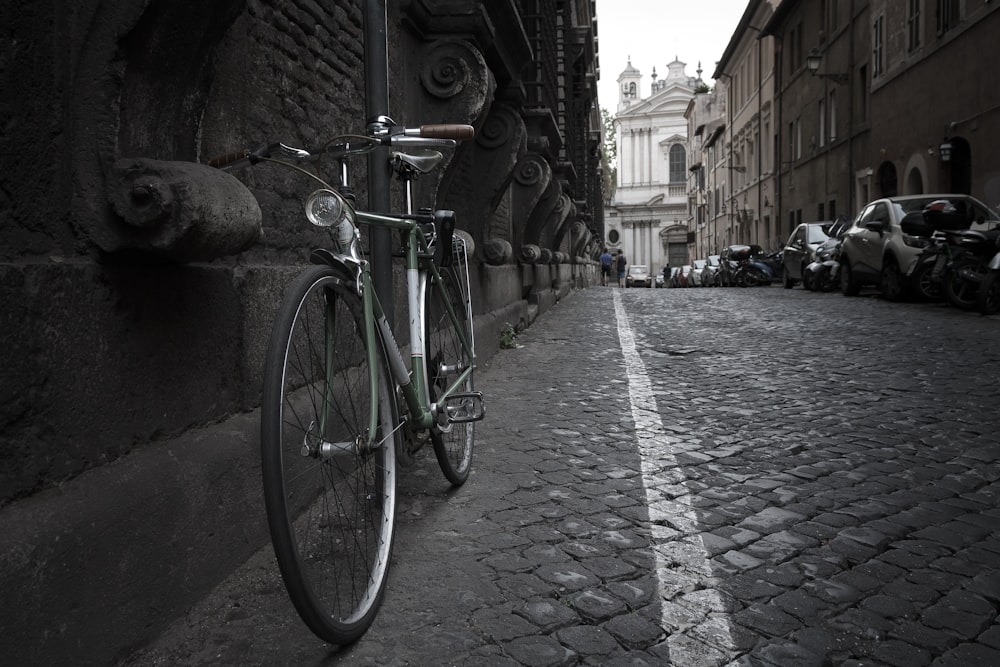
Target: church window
678, 164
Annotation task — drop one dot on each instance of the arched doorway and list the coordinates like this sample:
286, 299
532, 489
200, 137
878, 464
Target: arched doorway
915, 182
886, 179
959, 166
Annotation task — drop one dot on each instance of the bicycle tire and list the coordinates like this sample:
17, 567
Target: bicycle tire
331, 516
453, 442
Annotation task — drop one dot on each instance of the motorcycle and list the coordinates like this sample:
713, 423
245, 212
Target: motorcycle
955, 260
754, 270
988, 298
971, 256
823, 274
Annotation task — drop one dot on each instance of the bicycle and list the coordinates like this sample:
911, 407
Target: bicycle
340, 407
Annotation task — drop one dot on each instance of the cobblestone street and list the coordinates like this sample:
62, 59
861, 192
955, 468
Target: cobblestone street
691, 477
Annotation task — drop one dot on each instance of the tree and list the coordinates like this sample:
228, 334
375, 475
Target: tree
609, 156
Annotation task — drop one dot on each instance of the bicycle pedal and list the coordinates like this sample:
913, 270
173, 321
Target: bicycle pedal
463, 408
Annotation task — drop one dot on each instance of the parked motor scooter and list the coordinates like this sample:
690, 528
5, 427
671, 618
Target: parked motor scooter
823, 274
972, 252
756, 270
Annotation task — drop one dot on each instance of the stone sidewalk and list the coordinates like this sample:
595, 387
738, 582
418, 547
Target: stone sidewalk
690, 477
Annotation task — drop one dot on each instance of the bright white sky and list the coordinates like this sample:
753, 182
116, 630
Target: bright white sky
654, 32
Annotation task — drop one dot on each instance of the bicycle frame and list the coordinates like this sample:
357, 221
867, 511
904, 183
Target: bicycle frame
412, 382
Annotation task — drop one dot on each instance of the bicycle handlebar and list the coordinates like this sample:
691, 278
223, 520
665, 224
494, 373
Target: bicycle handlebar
443, 131
444, 135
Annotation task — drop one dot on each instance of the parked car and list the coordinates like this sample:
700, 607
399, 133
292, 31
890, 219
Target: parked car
637, 275
800, 251
695, 276
876, 251
710, 274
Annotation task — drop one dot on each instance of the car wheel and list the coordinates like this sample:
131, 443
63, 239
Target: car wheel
787, 281
891, 280
849, 286
808, 280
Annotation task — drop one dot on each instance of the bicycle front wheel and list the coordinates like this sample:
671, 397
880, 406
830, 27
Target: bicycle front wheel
329, 481
446, 358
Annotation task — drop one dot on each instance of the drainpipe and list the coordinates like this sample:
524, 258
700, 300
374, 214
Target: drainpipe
376, 111
850, 119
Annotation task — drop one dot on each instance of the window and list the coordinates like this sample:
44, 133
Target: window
863, 92
947, 15
832, 112
678, 164
878, 48
822, 125
913, 25
798, 138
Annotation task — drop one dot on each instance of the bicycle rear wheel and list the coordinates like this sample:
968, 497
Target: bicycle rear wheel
330, 493
446, 358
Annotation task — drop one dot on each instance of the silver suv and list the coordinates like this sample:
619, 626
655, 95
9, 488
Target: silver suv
876, 251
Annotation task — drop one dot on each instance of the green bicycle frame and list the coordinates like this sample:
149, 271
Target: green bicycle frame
412, 382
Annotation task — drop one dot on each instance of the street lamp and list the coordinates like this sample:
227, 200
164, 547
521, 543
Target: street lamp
945, 151
813, 61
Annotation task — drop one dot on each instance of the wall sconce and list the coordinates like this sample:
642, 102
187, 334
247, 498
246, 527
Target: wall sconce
945, 150
813, 61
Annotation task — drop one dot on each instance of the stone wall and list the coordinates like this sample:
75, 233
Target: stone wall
138, 284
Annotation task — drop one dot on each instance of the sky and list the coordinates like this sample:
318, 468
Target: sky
655, 32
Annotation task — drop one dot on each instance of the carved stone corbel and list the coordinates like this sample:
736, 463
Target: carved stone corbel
183, 211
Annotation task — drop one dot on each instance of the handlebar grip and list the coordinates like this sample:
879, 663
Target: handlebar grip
447, 131
229, 158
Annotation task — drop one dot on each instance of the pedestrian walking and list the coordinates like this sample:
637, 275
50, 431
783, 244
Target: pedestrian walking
605, 267
666, 274
620, 264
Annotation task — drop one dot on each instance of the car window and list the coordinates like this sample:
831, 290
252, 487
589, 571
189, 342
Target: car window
816, 234
880, 212
865, 215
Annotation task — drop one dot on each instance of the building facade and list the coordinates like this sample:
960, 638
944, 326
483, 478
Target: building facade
139, 284
820, 107
648, 217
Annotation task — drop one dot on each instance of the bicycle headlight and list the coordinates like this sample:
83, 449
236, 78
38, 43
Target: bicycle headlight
326, 208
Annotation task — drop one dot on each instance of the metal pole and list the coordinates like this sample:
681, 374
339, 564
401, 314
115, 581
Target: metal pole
376, 109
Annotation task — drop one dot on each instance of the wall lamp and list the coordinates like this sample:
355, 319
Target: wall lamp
813, 61
945, 151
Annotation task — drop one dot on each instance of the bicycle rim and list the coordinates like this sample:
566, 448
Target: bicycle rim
330, 511
445, 357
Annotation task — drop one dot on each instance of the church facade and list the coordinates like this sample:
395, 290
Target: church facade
648, 216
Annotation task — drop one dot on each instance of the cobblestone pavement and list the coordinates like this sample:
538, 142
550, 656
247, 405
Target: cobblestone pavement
690, 477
